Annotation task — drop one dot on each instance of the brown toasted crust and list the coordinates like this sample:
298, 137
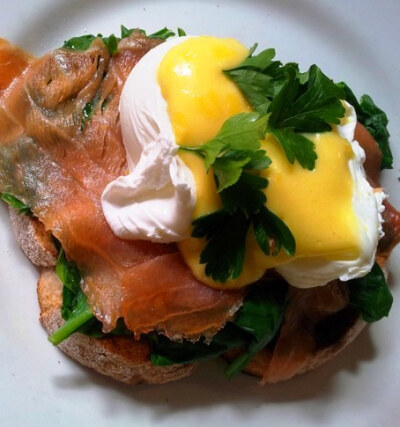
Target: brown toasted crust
33, 239
121, 358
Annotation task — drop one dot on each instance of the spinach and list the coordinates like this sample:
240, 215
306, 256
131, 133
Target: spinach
80, 42
15, 203
75, 308
111, 42
370, 295
256, 324
166, 352
374, 120
260, 316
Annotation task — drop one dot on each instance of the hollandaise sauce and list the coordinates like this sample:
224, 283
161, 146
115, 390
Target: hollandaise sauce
316, 205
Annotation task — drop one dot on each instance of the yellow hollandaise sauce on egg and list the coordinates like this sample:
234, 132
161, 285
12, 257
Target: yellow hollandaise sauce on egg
200, 99
316, 205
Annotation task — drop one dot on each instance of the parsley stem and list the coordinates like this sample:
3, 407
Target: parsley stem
191, 150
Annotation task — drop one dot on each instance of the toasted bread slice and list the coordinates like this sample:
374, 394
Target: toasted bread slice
35, 242
121, 358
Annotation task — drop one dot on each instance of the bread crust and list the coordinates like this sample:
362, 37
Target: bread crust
121, 358
35, 242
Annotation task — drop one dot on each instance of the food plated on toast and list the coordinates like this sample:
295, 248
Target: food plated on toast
189, 198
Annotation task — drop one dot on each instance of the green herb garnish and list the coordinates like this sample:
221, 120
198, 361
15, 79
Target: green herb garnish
111, 42
163, 34
297, 103
235, 156
234, 147
181, 33
80, 42
15, 203
370, 295
166, 352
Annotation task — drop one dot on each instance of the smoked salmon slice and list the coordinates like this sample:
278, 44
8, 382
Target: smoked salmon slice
61, 146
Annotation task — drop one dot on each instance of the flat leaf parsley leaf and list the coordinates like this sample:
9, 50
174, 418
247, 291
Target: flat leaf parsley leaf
235, 157
297, 102
241, 132
226, 242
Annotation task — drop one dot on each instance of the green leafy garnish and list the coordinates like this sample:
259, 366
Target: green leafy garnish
181, 33
224, 252
112, 43
75, 309
70, 277
235, 157
80, 315
15, 203
256, 324
270, 228
84, 42
370, 295
239, 137
163, 34
80, 42
374, 120
296, 103
87, 112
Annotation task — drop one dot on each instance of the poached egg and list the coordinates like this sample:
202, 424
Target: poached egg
177, 95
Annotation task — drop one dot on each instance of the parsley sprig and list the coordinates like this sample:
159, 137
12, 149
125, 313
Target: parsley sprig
235, 157
296, 102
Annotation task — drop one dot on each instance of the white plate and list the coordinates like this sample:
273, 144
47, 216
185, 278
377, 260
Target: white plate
354, 41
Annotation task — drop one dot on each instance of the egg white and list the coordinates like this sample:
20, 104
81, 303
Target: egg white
156, 200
